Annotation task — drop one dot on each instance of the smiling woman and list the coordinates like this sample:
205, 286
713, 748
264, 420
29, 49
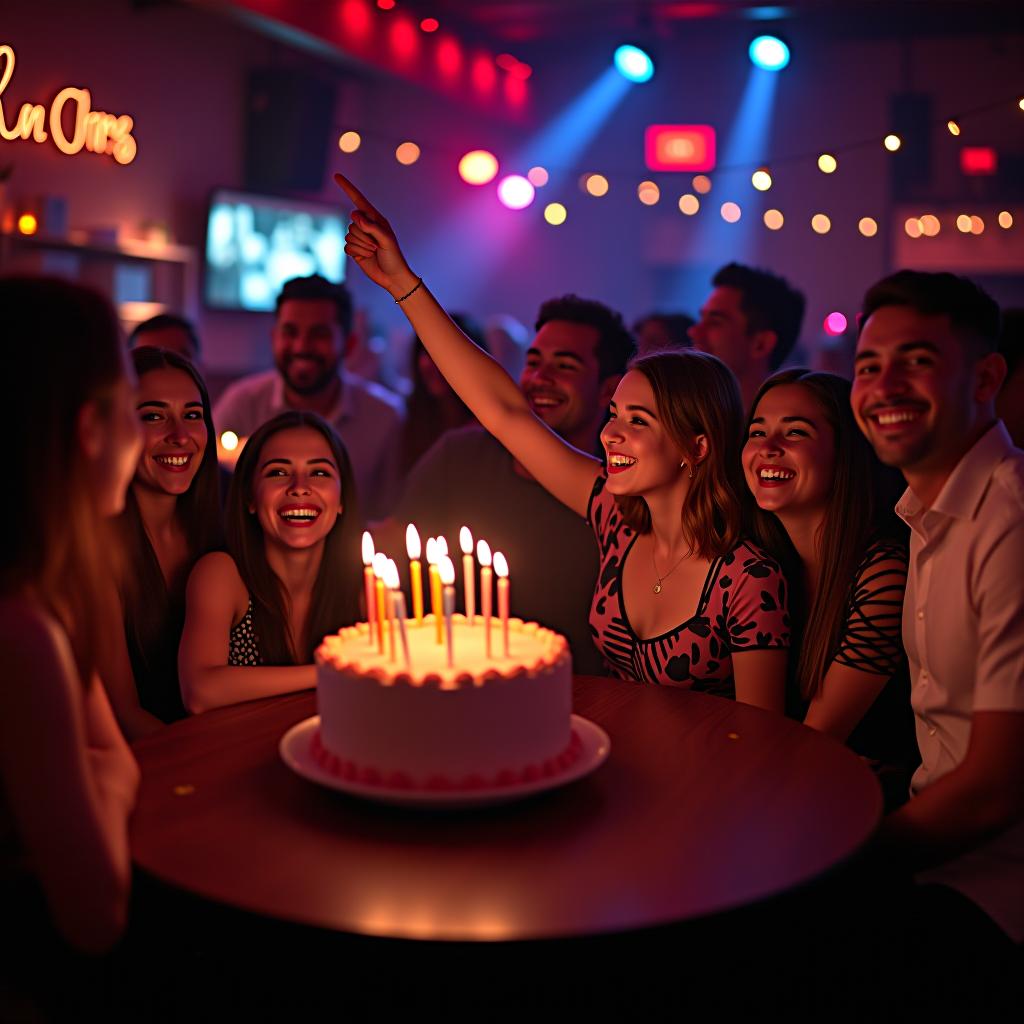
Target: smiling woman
293, 526
712, 614
824, 509
171, 519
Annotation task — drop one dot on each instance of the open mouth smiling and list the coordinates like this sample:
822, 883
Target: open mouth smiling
545, 400
176, 463
895, 416
775, 474
299, 515
619, 463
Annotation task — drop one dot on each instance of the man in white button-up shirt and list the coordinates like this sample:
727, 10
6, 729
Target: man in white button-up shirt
312, 334
926, 377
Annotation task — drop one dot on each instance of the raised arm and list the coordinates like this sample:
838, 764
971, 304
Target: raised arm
480, 381
215, 600
68, 777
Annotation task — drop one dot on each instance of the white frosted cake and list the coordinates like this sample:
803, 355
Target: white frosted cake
488, 721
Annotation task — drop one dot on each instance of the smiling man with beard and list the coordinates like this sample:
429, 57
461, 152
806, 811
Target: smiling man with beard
468, 478
312, 335
926, 377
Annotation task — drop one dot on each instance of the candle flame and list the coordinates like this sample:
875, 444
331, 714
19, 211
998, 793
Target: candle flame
442, 547
432, 556
380, 564
447, 568
500, 565
412, 541
483, 552
367, 548
391, 575
466, 541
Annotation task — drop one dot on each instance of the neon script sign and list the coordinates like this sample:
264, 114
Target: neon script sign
94, 130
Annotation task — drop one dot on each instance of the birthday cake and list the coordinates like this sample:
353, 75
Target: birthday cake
489, 720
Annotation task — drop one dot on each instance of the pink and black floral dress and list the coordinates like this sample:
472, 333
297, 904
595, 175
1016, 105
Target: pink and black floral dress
742, 607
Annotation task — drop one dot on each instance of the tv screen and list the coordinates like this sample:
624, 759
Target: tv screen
256, 243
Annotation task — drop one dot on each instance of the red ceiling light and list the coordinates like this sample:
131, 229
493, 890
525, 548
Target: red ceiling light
356, 17
449, 57
386, 5
430, 24
979, 160
521, 71
506, 61
679, 147
404, 41
482, 75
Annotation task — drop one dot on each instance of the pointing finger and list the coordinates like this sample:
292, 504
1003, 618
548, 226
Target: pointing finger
358, 199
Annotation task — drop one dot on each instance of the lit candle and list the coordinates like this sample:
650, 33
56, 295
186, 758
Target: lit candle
398, 609
368, 581
412, 546
468, 580
433, 556
447, 574
501, 571
380, 562
483, 556
394, 594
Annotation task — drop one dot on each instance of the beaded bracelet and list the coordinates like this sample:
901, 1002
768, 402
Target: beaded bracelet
411, 291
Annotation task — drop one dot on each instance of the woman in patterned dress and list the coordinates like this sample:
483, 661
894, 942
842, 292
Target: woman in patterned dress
825, 510
291, 575
682, 599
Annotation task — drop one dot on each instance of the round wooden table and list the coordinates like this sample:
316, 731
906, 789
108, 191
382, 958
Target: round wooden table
703, 805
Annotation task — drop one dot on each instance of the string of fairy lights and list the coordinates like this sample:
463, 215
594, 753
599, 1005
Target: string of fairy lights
519, 191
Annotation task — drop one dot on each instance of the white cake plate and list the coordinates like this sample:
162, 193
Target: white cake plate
296, 752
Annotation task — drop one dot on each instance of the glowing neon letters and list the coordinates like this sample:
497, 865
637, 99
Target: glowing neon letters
94, 130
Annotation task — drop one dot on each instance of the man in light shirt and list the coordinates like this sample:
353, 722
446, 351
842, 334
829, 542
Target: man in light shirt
312, 335
926, 376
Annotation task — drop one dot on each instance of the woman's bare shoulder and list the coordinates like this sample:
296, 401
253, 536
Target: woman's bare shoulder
36, 650
215, 580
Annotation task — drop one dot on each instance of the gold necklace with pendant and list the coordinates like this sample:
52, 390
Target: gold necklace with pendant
657, 586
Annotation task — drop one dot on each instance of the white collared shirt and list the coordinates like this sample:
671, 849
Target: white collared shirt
963, 628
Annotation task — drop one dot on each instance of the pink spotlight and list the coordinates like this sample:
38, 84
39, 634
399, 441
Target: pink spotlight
835, 324
516, 192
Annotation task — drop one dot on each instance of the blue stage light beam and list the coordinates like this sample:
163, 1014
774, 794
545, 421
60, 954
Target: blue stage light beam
718, 242
472, 239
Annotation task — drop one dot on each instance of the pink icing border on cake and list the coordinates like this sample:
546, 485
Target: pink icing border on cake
367, 775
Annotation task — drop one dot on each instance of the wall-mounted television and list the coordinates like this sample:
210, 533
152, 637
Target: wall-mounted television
255, 243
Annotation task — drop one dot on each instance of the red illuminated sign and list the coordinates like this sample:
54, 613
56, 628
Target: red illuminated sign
978, 160
679, 147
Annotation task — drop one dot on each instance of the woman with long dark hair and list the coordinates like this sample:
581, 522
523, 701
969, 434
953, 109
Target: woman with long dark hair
825, 510
67, 777
682, 599
171, 519
291, 573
